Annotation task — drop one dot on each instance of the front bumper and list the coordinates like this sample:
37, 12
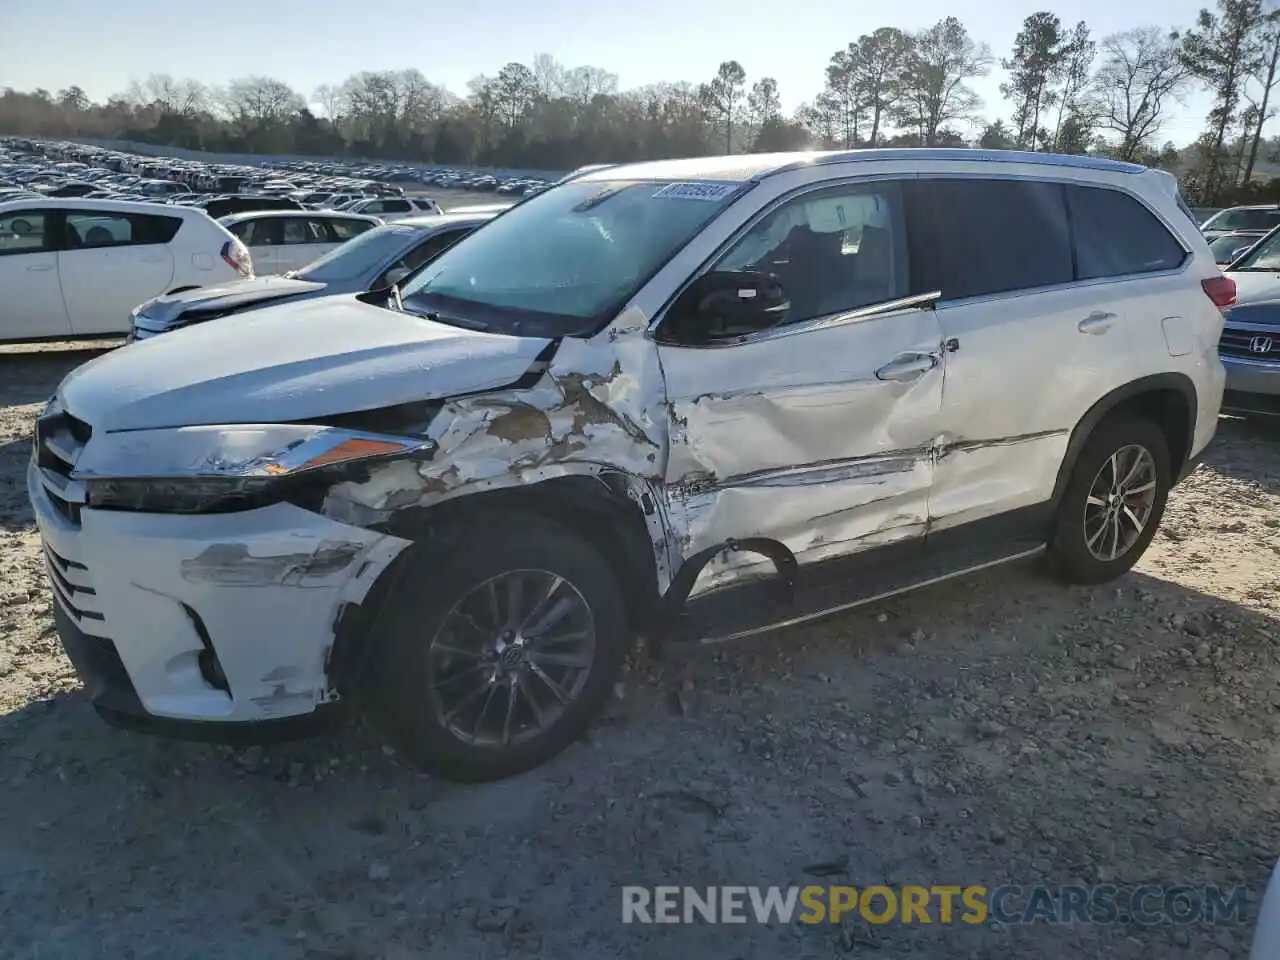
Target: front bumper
144, 603
1253, 386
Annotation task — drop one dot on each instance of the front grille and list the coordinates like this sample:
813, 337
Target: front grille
71, 587
1246, 343
59, 440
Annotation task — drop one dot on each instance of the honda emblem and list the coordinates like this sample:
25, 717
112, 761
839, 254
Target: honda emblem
1260, 345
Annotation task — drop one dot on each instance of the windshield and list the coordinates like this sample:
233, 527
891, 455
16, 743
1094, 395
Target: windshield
1265, 256
359, 255
1243, 218
565, 261
1227, 248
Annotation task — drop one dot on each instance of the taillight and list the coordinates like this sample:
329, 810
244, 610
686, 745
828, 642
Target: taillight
1221, 290
236, 256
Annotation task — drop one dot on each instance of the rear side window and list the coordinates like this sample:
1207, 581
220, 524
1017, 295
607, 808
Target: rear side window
973, 238
346, 229
119, 229
264, 232
1117, 236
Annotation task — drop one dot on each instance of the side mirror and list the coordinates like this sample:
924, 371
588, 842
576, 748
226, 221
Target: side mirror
395, 276
727, 304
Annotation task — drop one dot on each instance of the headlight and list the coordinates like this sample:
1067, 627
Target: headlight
224, 468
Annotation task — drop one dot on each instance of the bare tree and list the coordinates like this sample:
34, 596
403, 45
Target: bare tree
763, 104
935, 82
723, 97
1141, 75
331, 99
1221, 52
1074, 67
258, 101
1261, 108
160, 90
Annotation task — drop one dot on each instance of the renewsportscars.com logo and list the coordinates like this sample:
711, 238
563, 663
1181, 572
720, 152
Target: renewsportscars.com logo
973, 904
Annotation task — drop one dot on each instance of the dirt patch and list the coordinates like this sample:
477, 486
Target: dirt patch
997, 730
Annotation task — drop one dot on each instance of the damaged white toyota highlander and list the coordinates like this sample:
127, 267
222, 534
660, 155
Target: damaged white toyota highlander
685, 400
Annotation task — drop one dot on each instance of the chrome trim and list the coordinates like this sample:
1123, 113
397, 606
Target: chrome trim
1247, 361
842, 608
920, 301
960, 155
1188, 260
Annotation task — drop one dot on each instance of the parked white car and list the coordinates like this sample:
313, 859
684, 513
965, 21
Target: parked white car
395, 208
285, 240
694, 399
77, 268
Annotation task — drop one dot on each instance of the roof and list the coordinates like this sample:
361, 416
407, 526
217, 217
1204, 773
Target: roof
757, 166
442, 219
269, 214
101, 206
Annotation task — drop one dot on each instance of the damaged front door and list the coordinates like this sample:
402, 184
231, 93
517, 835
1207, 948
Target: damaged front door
816, 433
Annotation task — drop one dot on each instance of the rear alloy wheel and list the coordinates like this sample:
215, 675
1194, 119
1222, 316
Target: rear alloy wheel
495, 654
1113, 502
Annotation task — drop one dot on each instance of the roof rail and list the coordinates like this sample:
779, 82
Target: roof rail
583, 171
966, 153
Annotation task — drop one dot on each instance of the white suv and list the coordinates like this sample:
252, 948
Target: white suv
76, 268
690, 399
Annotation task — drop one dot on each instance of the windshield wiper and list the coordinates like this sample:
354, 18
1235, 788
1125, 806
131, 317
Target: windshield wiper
452, 321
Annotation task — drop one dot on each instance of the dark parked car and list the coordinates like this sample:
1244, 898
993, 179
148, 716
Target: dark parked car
1231, 246
375, 259
219, 207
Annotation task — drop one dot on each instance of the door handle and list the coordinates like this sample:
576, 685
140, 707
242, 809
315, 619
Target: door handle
908, 366
1097, 322
41, 268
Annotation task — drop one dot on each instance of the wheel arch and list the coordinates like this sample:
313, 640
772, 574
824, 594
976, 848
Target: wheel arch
613, 511
1169, 399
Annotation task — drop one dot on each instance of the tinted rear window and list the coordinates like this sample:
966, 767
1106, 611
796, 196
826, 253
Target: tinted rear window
971, 238
1116, 235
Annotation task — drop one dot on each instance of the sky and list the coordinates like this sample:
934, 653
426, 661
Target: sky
101, 46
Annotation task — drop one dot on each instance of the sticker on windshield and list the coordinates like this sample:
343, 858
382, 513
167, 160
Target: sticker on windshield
711, 192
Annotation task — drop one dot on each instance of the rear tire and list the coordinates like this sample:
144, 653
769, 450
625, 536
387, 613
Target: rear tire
1113, 502
470, 677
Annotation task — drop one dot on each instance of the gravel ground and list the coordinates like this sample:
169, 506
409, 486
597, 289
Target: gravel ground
1000, 729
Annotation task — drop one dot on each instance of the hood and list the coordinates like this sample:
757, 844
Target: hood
1255, 285
225, 296
1264, 312
291, 362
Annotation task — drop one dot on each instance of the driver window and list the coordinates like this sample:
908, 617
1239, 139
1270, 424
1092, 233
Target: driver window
833, 251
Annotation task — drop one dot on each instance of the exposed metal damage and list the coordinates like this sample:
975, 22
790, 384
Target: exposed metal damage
233, 564
693, 467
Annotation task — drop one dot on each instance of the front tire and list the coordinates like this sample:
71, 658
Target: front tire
1113, 502
496, 655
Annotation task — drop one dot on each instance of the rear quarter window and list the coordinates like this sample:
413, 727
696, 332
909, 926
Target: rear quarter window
1116, 235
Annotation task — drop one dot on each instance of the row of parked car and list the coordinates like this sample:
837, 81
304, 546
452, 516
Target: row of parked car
77, 264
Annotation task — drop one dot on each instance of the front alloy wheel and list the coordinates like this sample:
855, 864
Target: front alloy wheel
497, 647
511, 657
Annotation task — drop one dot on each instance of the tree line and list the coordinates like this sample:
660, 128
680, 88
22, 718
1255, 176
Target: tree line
1068, 92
